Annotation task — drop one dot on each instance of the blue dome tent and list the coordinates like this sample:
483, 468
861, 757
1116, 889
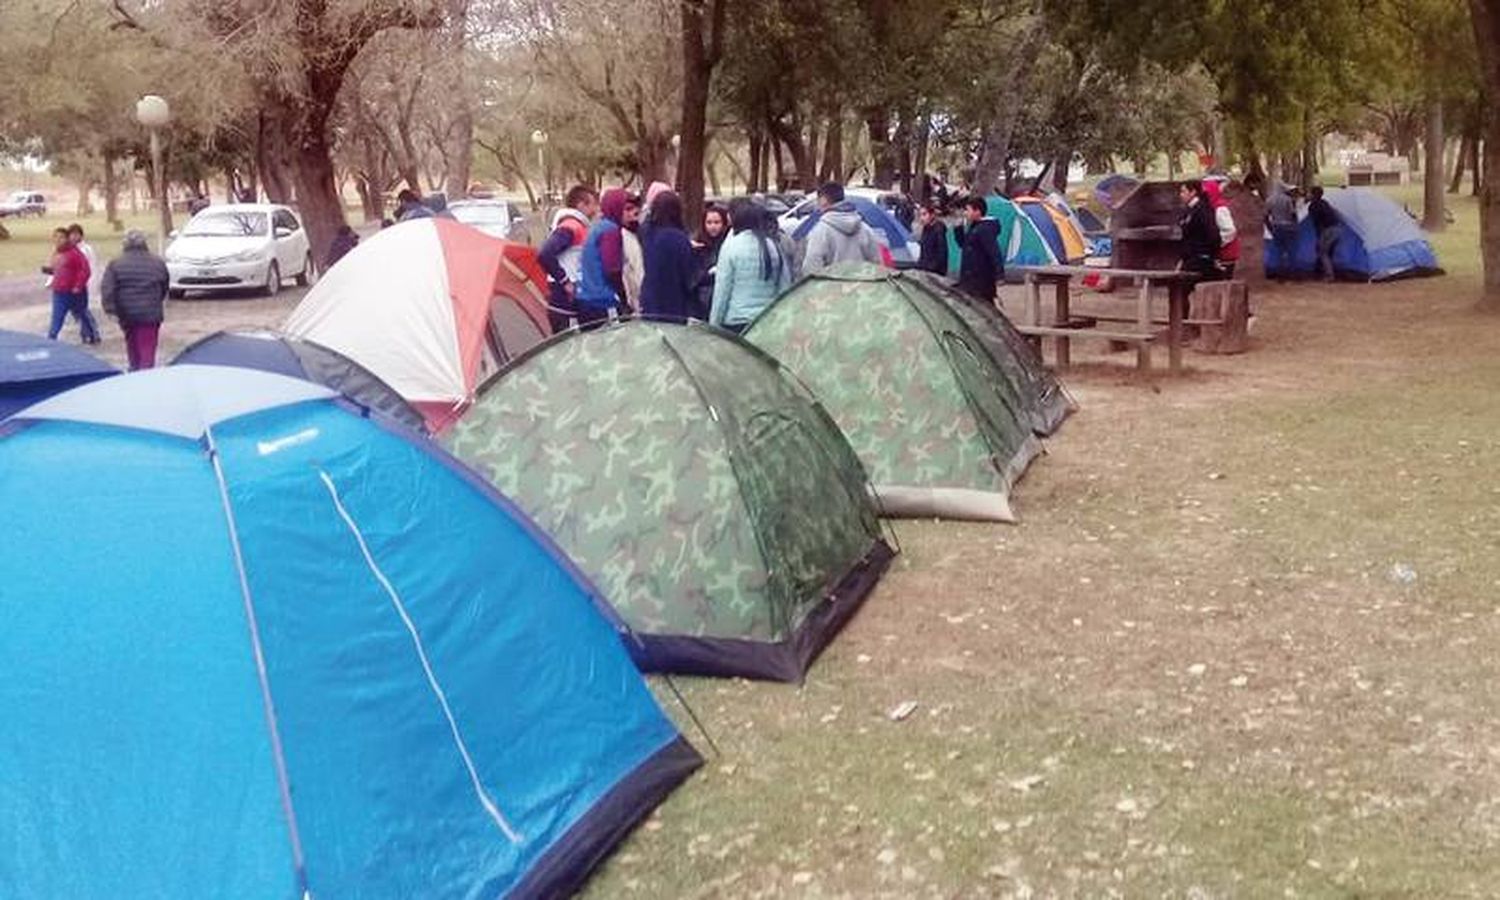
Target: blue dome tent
897, 237
1380, 241
33, 368
315, 658
283, 354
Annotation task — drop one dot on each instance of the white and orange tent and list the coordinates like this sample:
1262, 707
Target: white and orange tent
431, 307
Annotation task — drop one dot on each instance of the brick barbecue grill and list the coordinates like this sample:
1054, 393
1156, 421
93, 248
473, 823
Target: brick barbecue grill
1144, 228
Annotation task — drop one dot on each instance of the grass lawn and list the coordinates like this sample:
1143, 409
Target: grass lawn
30, 244
1240, 645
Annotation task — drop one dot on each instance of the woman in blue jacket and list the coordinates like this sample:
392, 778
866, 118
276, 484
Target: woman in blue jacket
667, 291
752, 269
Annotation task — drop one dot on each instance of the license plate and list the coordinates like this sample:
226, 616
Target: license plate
205, 273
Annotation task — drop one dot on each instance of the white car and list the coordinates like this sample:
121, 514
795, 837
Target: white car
496, 218
241, 245
24, 203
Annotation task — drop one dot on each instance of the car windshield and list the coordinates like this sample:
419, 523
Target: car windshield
229, 224
480, 215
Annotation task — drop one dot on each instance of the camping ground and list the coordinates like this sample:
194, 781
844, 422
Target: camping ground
1239, 645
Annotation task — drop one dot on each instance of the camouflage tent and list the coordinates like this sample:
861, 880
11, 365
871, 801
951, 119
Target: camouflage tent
717, 507
938, 394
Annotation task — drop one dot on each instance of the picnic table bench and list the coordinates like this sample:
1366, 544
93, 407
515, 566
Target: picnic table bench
1140, 329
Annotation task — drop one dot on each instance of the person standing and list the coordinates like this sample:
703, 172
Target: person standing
710, 238
96, 272
561, 254
752, 270
1229, 236
601, 285
934, 257
135, 291
1200, 233
70, 284
840, 235
1281, 218
1330, 229
981, 265
670, 288
635, 253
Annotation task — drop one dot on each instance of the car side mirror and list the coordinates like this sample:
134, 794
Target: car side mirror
283, 232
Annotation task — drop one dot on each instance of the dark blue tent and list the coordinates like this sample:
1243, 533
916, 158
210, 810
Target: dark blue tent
316, 658
33, 368
883, 221
308, 360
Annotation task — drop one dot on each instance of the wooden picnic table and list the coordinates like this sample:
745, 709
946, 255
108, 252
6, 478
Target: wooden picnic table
1145, 332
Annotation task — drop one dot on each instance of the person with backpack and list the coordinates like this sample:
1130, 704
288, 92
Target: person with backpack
753, 270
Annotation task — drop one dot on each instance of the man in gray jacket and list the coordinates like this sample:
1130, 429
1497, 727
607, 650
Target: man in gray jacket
135, 290
841, 235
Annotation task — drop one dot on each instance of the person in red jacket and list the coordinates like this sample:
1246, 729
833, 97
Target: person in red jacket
1229, 239
70, 287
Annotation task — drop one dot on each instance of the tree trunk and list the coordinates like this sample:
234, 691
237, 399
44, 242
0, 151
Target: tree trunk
1476, 186
1309, 152
1060, 164
776, 158
111, 193
1485, 15
833, 149
85, 196
922, 138
1432, 176
757, 161
1465, 148
269, 162
995, 149
318, 200
878, 126
700, 20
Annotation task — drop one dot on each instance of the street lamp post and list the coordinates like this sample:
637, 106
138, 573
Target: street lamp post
154, 113
539, 137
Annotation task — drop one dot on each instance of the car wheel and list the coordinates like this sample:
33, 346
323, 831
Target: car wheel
305, 277
273, 280
176, 293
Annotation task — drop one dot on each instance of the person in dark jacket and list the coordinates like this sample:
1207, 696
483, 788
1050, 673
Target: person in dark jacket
1329, 227
670, 286
710, 239
343, 242
1200, 232
561, 255
981, 266
410, 206
934, 256
135, 291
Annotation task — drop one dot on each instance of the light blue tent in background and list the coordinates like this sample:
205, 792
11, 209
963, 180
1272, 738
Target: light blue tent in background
304, 655
1380, 241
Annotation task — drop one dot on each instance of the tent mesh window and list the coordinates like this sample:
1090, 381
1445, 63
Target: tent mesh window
803, 487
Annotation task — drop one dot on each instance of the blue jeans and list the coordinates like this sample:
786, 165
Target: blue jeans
78, 305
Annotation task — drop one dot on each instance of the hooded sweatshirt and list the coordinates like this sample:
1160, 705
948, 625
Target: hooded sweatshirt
602, 281
841, 235
1229, 239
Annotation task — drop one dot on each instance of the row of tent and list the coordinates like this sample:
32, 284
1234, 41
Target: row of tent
1034, 231
438, 695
